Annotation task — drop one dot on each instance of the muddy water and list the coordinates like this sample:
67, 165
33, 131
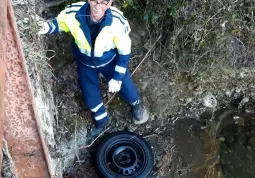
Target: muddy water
221, 148
237, 145
196, 151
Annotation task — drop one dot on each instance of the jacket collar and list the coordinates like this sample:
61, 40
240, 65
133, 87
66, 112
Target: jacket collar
81, 17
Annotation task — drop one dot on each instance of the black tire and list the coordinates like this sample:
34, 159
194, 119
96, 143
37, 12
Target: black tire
124, 155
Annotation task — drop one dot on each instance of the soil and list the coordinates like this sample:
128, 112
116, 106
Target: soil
189, 139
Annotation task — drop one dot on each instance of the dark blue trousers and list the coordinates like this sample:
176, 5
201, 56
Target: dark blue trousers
89, 83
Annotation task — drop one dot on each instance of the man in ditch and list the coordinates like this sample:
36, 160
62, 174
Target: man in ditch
101, 45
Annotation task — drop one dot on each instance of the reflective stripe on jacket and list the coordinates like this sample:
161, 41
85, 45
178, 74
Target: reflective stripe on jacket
112, 40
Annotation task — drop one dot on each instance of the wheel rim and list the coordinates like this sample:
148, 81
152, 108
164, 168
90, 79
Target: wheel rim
124, 158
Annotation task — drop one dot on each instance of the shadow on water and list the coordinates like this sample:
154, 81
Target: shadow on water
230, 137
225, 148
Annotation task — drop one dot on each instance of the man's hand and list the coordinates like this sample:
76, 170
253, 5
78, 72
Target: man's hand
43, 27
114, 86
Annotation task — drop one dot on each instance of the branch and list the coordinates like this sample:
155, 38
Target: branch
137, 66
146, 55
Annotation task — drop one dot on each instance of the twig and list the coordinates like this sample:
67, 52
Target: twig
136, 67
172, 149
146, 56
218, 11
194, 66
147, 136
156, 61
75, 142
87, 146
58, 166
135, 56
7, 153
239, 41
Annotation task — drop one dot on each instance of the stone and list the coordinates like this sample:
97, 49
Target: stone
238, 120
242, 74
238, 90
228, 93
25, 20
148, 126
221, 139
245, 100
210, 101
188, 100
249, 107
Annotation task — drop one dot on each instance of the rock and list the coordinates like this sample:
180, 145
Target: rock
228, 93
188, 100
249, 107
251, 141
198, 92
238, 120
238, 90
242, 74
25, 20
209, 101
157, 130
148, 126
244, 100
221, 139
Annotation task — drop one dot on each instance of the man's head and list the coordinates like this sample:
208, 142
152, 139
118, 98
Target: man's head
98, 8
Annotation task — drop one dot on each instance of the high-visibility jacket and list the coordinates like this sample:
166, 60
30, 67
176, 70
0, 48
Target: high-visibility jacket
112, 41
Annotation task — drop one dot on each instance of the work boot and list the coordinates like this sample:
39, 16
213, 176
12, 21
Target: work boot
98, 129
140, 114
95, 131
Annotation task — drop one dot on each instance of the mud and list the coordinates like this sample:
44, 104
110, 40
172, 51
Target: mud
188, 148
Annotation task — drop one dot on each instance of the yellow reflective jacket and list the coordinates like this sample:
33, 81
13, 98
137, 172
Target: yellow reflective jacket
112, 41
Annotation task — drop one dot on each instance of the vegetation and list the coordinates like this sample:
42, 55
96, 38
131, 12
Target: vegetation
199, 33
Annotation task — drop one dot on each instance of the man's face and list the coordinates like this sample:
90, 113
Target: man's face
98, 8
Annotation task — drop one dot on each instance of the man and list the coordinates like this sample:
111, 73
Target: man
101, 45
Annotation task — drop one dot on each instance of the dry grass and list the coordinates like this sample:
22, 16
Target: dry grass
200, 34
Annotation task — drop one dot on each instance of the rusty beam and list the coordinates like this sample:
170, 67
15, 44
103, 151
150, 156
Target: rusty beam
22, 128
3, 22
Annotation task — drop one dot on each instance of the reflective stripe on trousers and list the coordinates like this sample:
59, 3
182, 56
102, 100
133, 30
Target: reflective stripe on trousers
89, 83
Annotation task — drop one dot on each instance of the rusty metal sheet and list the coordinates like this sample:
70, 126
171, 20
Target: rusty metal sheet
22, 127
3, 20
